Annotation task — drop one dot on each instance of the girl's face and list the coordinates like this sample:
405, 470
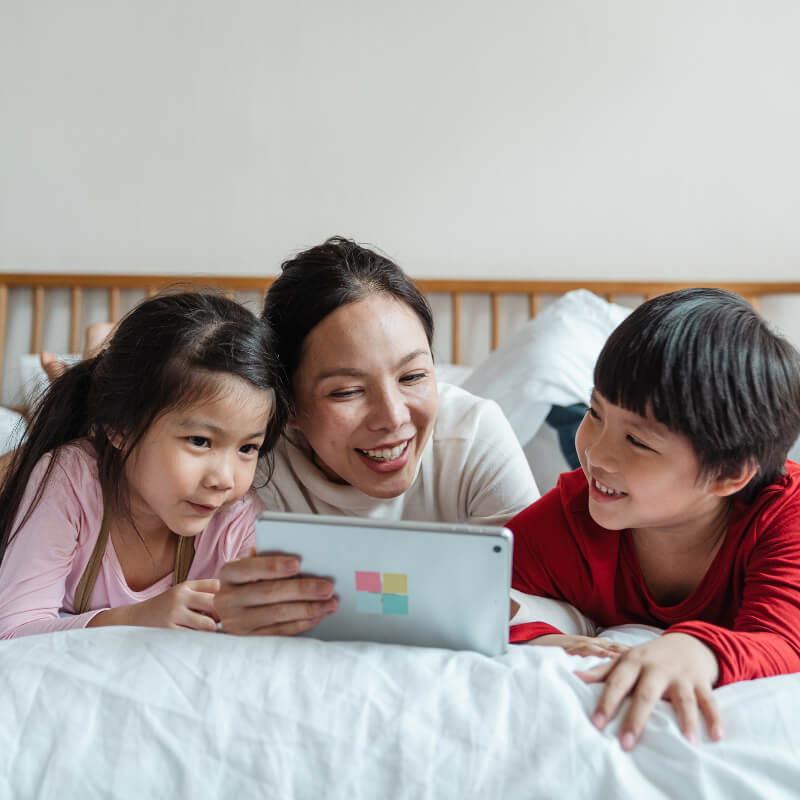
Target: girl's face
365, 394
194, 461
641, 474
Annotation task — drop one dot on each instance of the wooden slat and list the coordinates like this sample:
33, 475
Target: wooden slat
495, 320
611, 297
456, 305
38, 319
75, 321
3, 330
533, 304
113, 304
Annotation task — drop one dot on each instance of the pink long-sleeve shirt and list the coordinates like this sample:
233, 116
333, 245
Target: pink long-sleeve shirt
46, 558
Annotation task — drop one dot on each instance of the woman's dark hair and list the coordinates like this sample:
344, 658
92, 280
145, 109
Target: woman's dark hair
168, 352
709, 367
320, 280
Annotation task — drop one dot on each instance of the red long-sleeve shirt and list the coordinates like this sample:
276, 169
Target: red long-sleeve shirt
746, 608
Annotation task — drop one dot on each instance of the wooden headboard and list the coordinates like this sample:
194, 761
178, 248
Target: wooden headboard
36, 286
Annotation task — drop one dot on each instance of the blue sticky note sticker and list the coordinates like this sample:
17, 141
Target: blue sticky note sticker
368, 603
395, 604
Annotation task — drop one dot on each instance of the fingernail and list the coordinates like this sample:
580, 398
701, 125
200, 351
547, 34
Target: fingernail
331, 606
323, 589
716, 732
599, 721
692, 737
628, 741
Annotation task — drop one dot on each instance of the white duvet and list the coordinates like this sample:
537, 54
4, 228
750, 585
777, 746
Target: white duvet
140, 713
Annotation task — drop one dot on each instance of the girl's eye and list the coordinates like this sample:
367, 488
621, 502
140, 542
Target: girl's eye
414, 377
198, 441
248, 449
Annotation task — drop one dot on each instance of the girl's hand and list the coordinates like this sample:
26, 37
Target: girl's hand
676, 667
188, 605
582, 645
265, 595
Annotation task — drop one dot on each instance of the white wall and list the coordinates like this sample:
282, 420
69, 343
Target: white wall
568, 138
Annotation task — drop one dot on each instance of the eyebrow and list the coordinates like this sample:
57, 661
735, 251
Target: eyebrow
189, 423
634, 420
352, 372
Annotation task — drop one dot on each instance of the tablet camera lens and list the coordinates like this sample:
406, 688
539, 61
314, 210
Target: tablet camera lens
497, 548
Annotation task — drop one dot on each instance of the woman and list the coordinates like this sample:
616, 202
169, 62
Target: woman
370, 433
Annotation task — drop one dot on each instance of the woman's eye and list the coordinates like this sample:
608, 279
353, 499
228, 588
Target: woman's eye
344, 394
592, 413
198, 441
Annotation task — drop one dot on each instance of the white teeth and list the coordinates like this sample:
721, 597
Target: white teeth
606, 489
386, 453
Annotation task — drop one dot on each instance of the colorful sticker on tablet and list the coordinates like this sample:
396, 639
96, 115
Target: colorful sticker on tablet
381, 593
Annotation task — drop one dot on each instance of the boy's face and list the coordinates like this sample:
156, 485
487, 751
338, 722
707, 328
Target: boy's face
641, 474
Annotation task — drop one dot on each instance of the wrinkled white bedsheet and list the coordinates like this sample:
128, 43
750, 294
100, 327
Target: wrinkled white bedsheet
140, 713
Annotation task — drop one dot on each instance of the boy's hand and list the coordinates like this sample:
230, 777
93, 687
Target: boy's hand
676, 667
581, 645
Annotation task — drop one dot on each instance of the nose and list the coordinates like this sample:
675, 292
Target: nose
595, 447
220, 473
389, 409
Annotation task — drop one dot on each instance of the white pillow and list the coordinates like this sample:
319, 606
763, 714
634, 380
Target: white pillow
548, 362
12, 429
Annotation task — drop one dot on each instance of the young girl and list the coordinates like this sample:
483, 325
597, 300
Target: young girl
684, 515
132, 488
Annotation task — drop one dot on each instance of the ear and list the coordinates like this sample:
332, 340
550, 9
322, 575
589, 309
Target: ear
725, 487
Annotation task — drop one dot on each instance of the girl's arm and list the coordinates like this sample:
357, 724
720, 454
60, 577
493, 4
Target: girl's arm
40, 556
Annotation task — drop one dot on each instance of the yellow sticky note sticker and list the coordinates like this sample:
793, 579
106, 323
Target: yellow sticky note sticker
395, 583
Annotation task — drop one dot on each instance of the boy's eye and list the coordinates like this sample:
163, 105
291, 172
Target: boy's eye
198, 441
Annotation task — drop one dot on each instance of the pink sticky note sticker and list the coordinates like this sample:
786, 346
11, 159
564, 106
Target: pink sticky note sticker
368, 581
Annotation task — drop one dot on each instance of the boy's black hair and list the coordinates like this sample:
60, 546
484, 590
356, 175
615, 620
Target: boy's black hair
321, 279
168, 352
709, 367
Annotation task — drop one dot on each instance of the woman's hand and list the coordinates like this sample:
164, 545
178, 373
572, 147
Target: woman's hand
581, 645
676, 667
266, 595
188, 605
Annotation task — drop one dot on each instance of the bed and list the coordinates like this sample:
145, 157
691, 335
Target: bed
124, 712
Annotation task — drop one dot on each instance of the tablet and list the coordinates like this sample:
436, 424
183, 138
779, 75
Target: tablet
416, 583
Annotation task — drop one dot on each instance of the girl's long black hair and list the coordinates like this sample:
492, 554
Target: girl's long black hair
168, 352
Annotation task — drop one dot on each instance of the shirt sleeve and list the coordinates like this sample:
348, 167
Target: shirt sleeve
243, 531
765, 638
40, 557
499, 475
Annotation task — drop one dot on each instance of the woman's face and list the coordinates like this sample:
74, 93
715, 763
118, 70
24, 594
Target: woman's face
365, 394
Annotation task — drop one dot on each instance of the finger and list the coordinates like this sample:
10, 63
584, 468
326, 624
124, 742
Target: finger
621, 679
710, 711
97, 334
203, 585
260, 568
684, 701
288, 628
202, 602
196, 622
596, 674
269, 592
647, 693
251, 620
